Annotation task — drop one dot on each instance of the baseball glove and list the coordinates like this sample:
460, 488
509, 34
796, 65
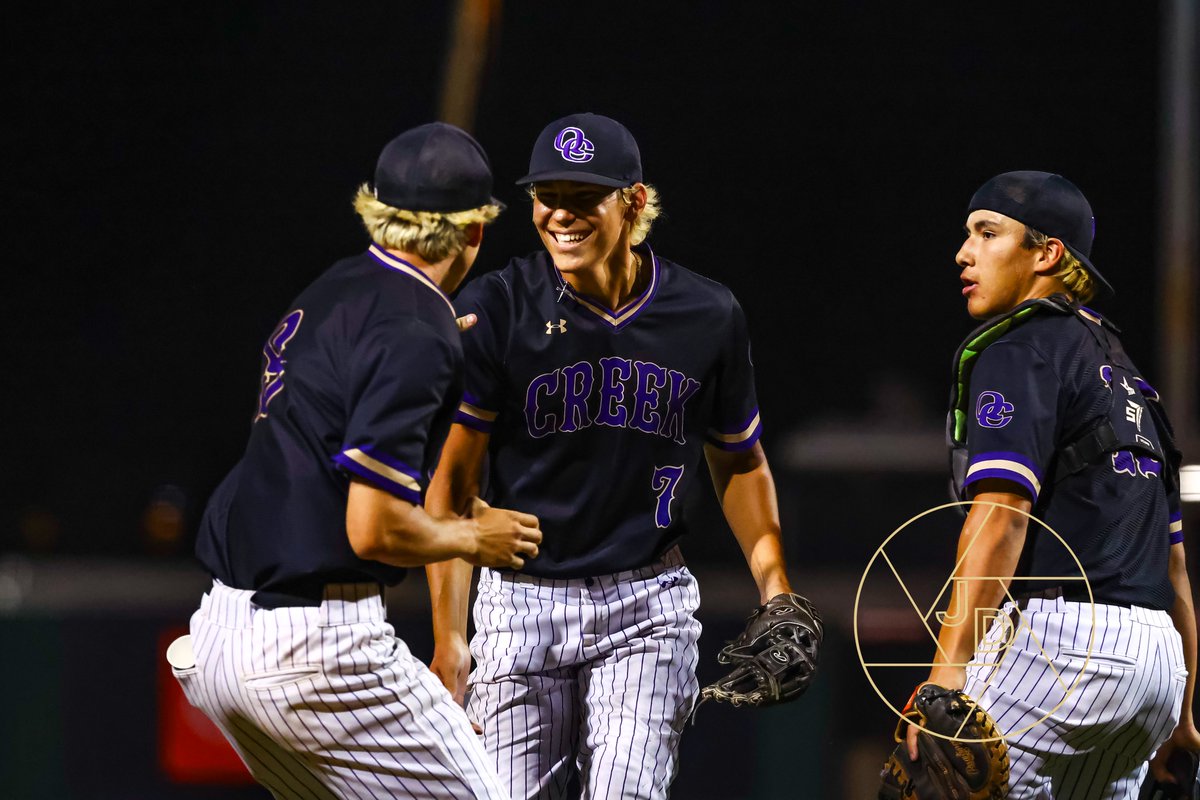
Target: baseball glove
971, 765
774, 659
1183, 765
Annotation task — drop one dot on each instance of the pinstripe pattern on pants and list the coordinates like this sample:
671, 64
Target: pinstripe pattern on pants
588, 676
1095, 739
325, 702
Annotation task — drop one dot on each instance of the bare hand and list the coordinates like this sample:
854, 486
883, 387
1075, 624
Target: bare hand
466, 321
504, 538
451, 663
944, 676
1185, 737
910, 739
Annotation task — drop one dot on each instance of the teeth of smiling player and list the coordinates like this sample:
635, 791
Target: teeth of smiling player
570, 238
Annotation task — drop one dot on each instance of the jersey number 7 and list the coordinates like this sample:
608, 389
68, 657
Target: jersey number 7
663, 484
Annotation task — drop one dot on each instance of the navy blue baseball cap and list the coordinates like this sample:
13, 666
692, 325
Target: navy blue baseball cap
1048, 203
587, 148
434, 167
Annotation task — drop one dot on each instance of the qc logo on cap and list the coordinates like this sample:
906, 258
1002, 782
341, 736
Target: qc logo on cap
587, 148
574, 145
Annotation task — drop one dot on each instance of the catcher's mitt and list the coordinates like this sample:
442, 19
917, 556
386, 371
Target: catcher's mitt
971, 765
775, 657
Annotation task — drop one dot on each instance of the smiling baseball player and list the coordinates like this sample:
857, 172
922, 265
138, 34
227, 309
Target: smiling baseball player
294, 660
1050, 416
596, 376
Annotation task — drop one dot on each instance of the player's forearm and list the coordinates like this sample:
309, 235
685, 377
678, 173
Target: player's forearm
449, 594
385, 528
746, 491
457, 477
1183, 614
988, 547
418, 539
455, 482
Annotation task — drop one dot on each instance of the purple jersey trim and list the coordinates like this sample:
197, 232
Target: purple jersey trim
736, 429
744, 444
471, 399
1005, 455
1176, 517
400, 265
374, 478
394, 463
625, 314
1177, 537
1006, 474
474, 423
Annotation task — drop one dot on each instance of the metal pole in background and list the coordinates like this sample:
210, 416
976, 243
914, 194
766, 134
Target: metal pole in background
465, 55
1179, 209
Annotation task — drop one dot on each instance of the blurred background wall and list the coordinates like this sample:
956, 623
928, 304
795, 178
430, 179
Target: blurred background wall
175, 174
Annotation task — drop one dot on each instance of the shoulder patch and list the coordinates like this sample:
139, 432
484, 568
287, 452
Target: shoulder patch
992, 410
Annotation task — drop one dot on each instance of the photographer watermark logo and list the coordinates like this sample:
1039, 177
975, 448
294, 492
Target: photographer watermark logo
888, 602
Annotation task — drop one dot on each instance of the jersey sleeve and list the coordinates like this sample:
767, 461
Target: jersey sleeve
401, 371
735, 423
484, 347
1175, 514
1014, 408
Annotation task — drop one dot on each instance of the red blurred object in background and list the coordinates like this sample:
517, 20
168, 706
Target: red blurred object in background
190, 748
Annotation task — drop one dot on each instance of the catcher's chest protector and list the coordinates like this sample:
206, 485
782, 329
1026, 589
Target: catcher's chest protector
1108, 435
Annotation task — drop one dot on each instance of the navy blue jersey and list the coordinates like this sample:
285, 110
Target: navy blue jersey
1040, 386
597, 417
361, 377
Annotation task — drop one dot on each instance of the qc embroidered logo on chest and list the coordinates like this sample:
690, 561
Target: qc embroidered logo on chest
992, 410
615, 392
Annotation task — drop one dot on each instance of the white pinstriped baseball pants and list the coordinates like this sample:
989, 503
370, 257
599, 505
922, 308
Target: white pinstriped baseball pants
325, 702
595, 675
1095, 745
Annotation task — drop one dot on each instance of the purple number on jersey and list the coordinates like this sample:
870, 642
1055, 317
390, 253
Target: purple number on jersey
272, 381
663, 483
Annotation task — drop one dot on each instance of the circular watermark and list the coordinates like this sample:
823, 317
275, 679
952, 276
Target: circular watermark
995, 629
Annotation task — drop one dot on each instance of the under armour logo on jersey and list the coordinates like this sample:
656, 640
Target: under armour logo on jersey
561, 327
992, 410
272, 380
573, 145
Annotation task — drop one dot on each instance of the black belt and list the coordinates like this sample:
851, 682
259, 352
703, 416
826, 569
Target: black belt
297, 595
1056, 592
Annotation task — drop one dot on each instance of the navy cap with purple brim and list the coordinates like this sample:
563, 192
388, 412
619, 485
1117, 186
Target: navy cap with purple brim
587, 148
434, 167
1048, 203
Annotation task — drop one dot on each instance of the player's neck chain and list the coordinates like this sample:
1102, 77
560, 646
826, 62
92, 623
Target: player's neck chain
635, 287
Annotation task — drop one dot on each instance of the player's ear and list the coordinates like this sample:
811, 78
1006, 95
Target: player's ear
474, 234
1049, 257
637, 201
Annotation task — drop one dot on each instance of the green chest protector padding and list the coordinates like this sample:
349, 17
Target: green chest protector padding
1105, 434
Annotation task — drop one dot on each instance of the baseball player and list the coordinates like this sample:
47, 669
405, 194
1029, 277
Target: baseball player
293, 658
1050, 416
596, 375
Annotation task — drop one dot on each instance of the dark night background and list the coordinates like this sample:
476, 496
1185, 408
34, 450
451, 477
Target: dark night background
177, 173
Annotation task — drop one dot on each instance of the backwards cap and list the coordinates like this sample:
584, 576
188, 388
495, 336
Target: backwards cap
1046, 202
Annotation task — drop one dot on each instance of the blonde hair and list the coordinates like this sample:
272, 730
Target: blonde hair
430, 234
650, 212
1071, 271
645, 220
